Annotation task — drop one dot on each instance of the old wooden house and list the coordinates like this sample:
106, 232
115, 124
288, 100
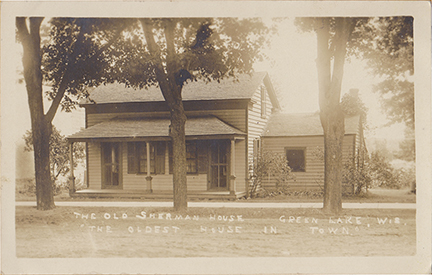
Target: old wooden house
300, 137
129, 151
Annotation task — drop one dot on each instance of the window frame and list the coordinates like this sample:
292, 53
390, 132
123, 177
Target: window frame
193, 159
110, 146
138, 159
304, 158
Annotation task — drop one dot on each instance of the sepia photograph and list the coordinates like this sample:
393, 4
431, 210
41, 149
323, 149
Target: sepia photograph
216, 137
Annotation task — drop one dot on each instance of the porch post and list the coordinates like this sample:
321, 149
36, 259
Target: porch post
72, 177
232, 186
149, 177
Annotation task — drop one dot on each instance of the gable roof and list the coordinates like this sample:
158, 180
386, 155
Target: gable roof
154, 127
244, 88
303, 124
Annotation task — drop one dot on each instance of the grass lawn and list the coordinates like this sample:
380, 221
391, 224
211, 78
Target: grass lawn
203, 232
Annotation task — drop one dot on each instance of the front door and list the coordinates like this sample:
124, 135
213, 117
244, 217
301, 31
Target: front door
219, 165
111, 165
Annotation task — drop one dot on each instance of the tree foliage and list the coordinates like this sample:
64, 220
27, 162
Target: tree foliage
199, 48
407, 146
384, 175
65, 60
74, 56
352, 105
59, 154
387, 43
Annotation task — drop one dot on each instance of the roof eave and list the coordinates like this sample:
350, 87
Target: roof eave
155, 138
271, 92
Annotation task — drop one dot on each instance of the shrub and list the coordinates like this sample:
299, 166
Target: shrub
386, 176
357, 175
268, 164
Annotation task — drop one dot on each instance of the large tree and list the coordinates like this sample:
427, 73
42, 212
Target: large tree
388, 46
83, 52
390, 55
169, 52
68, 58
338, 38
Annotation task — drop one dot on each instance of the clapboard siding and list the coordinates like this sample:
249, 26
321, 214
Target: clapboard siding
94, 166
236, 118
314, 170
93, 119
240, 164
256, 120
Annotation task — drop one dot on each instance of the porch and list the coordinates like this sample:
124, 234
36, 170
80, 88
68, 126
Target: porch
162, 195
134, 158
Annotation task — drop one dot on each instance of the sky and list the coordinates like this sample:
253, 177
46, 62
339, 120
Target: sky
292, 68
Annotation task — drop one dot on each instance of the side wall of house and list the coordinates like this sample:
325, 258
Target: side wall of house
313, 177
257, 120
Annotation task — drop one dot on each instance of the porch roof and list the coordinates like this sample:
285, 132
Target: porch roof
156, 128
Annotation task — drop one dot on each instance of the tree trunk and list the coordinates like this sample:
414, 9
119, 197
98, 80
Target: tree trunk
331, 115
171, 92
334, 130
177, 133
44, 185
41, 128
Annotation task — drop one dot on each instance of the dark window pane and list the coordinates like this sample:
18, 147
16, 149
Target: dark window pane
111, 164
203, 164
106, 151
107, 174
214, 177
222, 153
115, 177
160, 158
223, 176
170, 159
191, 157
296, 159
115, 153
132, 158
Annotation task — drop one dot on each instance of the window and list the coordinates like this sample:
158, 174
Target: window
256, 147
111, 165
296, 159
263, 102
191, 157
137, 157
196, 157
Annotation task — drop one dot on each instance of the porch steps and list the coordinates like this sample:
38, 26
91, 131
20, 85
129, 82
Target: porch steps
89, 193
